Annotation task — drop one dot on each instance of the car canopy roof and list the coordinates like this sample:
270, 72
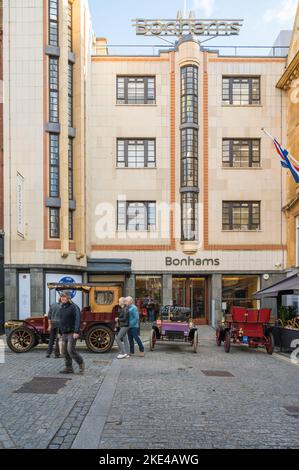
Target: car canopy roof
60, 286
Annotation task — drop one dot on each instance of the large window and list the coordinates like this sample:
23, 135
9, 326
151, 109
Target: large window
189, 158
136, 90
136, 153
53, 90
238, 291
54, 223
70, 26
54, 166
71, 225
71, 169
241, 215
53, 22
237, 153
136, 216
70, 94
241, 90
189, 207
148, 292
189, 94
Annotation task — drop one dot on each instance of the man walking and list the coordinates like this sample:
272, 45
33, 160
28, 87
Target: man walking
54, 324
134, 324
70, 329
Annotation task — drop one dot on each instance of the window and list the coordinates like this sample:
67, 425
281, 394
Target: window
104, 297
241, 153
70, 94
54, 222
238, 290
71, 225
149, 292
189, 94
241, 216
53, 23
136, 216
136, 90
189, 158
54, 166
53, 90
70, 170
136, 153
241, 90
189, 207
70, 26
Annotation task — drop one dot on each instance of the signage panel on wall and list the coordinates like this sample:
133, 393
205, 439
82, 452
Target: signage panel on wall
20, 205
52, 296
24, 296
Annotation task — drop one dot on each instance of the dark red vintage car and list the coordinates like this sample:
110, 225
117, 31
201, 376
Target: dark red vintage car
97, 321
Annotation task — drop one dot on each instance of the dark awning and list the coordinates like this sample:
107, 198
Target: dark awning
109, 266
289, 286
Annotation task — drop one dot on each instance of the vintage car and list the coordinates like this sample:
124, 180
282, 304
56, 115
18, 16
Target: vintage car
97, 321
174, 325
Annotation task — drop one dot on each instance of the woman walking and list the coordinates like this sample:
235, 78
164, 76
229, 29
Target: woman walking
122, 336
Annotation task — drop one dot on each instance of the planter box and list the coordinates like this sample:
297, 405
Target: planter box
283, 338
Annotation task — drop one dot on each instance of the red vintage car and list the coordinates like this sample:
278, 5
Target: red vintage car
97, 327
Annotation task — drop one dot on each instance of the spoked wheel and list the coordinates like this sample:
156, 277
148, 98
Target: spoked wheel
195, 342
21, 340
270, 343
218, 336
227, 342
153, 340
99, 339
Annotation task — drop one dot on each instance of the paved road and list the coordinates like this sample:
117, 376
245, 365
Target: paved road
161, 401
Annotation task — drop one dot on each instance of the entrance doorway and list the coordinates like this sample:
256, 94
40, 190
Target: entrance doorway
192, 292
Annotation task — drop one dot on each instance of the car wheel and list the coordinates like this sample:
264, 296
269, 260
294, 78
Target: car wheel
99, 339
21, 340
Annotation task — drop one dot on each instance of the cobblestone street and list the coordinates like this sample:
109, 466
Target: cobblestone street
164, 400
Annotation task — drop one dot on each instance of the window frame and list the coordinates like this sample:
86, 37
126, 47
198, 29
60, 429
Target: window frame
233, 79
234, 205
146, 101
193, 220
55, 22
53, 91
127, 141
251, 143
70, 26
70, 94
52, 165
55, 235
149, 227
189, 93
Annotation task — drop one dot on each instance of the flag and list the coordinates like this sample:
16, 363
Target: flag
286, 159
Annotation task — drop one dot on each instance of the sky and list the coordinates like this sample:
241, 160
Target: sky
263, 19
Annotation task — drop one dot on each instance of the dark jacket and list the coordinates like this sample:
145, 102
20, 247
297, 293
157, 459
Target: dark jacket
54, 314
70, 319
123, 317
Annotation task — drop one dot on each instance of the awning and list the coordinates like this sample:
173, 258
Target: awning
289, 286
109, 266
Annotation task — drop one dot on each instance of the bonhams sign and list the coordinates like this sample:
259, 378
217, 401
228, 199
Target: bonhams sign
183, 27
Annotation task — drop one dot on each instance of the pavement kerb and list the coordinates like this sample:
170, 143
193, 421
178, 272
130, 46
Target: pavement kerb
91, 430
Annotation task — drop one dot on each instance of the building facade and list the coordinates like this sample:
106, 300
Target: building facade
289, 84
147, 171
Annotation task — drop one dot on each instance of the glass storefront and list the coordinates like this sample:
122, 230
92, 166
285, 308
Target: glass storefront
238, 291
191, 292
149, 296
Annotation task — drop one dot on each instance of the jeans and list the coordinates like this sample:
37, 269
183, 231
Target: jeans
54, 339
69, 351
123, 345
151, 315
134, 334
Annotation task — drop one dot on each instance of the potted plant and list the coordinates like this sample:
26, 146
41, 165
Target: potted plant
287, 328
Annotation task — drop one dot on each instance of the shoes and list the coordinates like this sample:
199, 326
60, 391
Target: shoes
82, 368
141, 354
128, 355
48, 355
66, 371
121, 356
57, 357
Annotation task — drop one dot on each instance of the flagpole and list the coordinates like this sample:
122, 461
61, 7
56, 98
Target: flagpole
271, 137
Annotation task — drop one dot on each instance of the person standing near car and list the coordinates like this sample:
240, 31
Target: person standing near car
70, 329
123, 324
134, 329
54, 324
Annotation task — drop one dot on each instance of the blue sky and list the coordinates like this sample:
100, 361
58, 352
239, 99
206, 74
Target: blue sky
263, 18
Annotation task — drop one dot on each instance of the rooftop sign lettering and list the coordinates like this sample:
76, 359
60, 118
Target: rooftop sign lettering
182, 27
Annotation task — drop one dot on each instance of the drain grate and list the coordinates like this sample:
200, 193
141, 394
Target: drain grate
217, 373
292, 409
43, 385
101, 362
